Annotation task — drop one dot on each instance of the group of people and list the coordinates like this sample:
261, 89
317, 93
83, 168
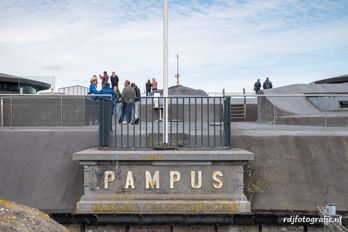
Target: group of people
267, 84
151, 86
126, 102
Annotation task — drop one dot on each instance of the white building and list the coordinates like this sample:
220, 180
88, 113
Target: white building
74, 90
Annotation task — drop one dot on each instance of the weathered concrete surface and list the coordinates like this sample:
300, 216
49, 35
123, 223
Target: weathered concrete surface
105, 228
298, 168
163, 155
154, 228
185, 197
300, 104
36, 166
193, 228
300, 110
39, 110
20, 218
200, 228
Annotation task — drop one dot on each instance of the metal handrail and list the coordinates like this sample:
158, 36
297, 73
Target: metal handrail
2, 111
242, 95
191, 124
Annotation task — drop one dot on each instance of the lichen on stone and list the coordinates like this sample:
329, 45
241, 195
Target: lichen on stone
20, 218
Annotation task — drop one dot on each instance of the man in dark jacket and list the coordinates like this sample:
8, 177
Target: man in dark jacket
257, 86
148, 87
128, 97
135, 116
114, 80
267, 84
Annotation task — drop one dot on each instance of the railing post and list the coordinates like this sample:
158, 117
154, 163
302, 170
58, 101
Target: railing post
227, 121
11, 111
61, 111
326, 106
2, 111
104, 121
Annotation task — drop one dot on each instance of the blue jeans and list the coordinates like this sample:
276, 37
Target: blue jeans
118, 109
129, 110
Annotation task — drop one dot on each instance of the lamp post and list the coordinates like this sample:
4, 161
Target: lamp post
165, 71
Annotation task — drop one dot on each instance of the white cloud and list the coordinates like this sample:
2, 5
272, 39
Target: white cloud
222, 44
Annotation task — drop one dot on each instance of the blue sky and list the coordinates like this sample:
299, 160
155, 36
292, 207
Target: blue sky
222, 44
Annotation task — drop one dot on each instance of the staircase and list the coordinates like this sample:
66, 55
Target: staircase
238, 111
333, 226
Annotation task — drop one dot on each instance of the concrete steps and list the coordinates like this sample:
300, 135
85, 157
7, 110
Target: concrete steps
238, 111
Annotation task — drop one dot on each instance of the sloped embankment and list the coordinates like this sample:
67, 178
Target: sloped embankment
14, 217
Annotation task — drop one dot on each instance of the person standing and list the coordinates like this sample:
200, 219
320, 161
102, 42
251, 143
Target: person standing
118, 105
135, 115
154, 84
114, 81
104, 78
267, 84
108, 90
128, 98
148, 87
257, 86
93, 86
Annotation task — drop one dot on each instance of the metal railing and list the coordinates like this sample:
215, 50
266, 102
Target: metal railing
333, 223
1, 111
324, 110
193, 122
29, 110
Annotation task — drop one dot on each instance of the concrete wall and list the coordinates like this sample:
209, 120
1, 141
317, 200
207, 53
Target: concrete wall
37, 169
33, 111
268, 112
296, 173
292, 172
331, 103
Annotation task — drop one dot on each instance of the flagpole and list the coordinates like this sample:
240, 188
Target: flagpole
165, 71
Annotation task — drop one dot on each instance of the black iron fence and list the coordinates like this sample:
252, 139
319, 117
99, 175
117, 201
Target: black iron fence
139, 123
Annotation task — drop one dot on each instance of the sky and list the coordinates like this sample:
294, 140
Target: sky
221, 43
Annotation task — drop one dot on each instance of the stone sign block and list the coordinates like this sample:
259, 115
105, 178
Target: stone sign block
170, 182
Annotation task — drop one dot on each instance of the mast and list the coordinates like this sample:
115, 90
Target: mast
165, 71
177, 76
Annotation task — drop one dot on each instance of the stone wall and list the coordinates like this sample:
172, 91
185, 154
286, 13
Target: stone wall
195, 228
37, 168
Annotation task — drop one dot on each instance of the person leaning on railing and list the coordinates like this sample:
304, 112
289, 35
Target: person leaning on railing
128, 97
93, 86
108, 90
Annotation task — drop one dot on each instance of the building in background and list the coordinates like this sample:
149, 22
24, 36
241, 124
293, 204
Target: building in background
10, 84
334, 80
74, 90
